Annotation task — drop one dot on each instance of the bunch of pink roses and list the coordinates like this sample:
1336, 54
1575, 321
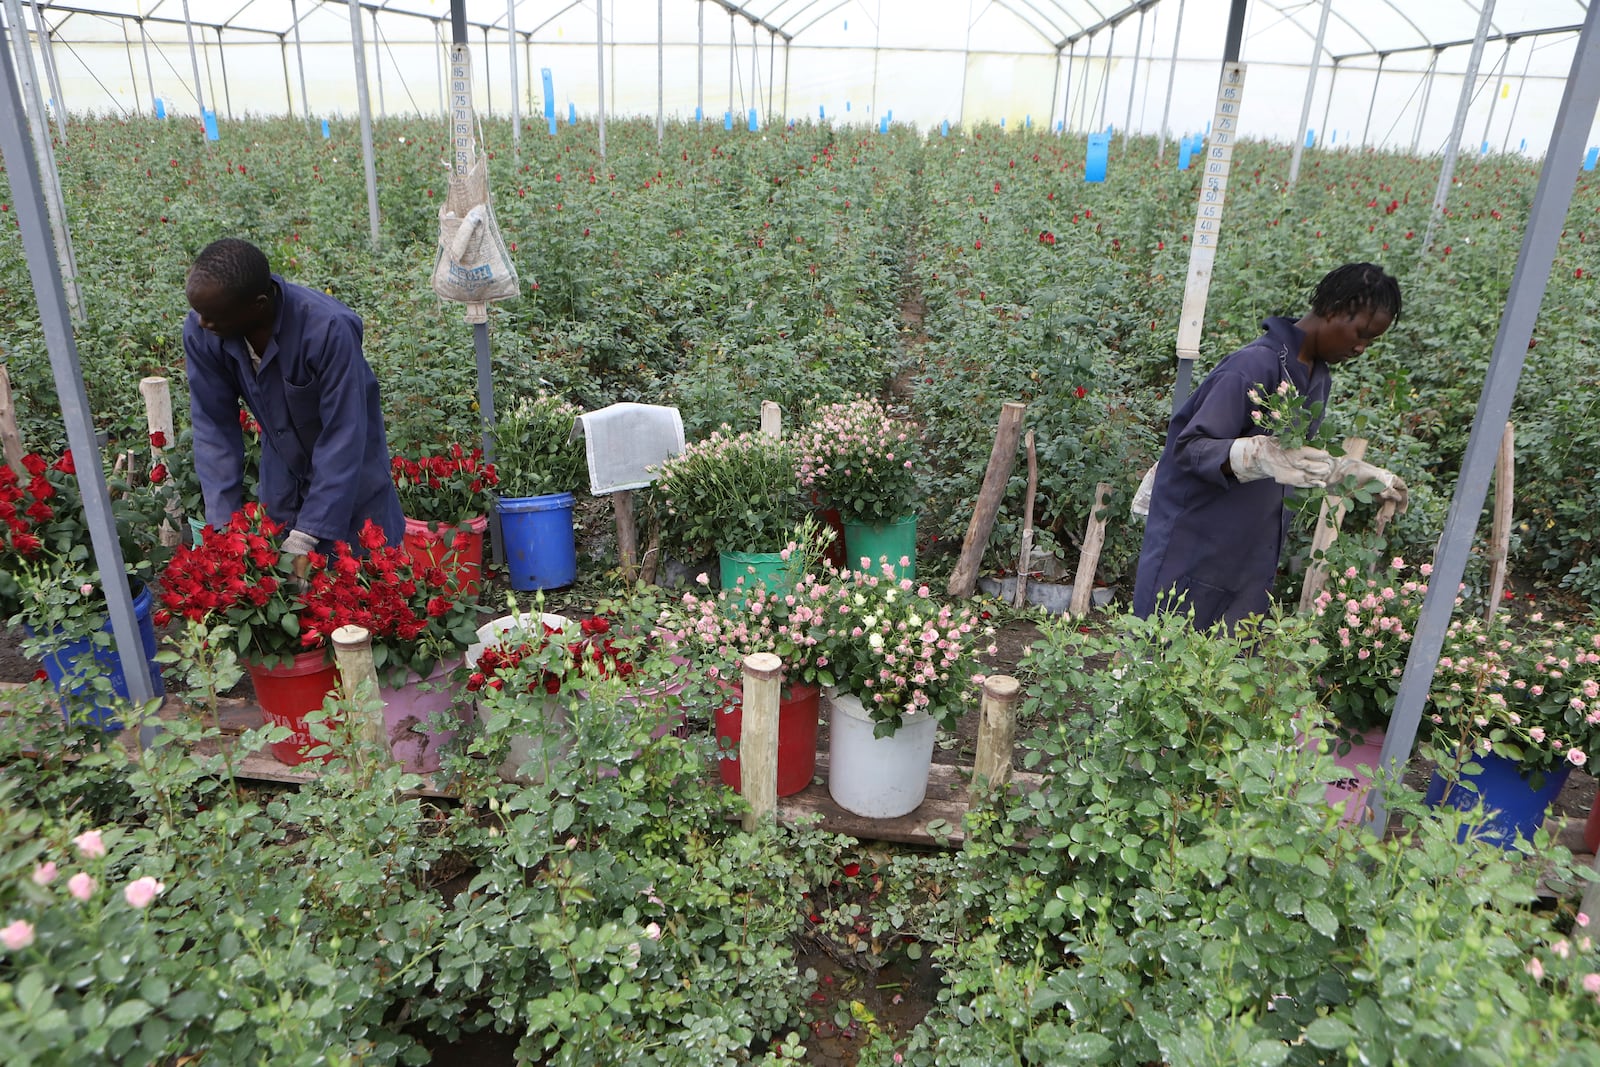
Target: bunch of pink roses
857, 459
1366, 622
81, 886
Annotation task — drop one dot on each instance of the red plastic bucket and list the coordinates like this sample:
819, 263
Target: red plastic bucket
456, 550
798, 709
286, 694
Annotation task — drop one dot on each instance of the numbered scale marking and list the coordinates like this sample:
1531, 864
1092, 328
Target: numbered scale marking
1218, 157
461, 124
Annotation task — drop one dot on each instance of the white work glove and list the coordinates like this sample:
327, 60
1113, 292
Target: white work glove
1141, 498
1254, 458
1394, 489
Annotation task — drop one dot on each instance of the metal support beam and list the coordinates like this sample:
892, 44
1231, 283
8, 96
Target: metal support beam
1083, 90
133, 72
1133, 82
1494, 94
1066, 93
1327, 104
772, 51
600, 65
55, 321
300, 61
1311, 89
516, 99
288, 86
1516, 101
377, 56
1172, 73
42, 32
1103, 97
661, 73
1427, 93
364, 105
194, 61
149, 71
700, 62
1373, 100
786, 76
222, 58
1469, 85
1557, 180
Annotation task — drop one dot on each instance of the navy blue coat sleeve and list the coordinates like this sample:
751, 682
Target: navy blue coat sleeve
214, 417
342, 385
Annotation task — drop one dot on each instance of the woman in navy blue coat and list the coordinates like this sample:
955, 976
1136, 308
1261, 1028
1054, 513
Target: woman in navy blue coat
294, 356
1218, 522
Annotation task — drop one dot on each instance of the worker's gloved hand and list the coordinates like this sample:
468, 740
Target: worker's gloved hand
297, 547
1141, 498
1254, 458
1365, 474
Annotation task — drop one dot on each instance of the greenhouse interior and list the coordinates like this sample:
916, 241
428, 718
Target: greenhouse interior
842, 532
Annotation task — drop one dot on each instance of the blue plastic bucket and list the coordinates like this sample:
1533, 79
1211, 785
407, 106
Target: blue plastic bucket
1515, 807
540, 550
59, 665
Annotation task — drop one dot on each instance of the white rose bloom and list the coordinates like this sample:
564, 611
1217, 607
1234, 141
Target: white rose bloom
875, 640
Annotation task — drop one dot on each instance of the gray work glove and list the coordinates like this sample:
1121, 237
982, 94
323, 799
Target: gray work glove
1141, 498
1254, 458
1394, 489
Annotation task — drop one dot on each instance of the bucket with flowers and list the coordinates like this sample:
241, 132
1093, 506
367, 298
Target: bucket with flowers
1518, 712
739, 494
51, 585
446, 499
238, 576
539, 468
900, 664
420, 622
860, 462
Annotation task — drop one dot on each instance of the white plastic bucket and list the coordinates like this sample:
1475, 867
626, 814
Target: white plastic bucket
526, 747
877, 777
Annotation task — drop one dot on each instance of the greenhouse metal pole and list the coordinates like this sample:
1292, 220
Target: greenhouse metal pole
732, 52
516, 98
1494, 97
1557, 180
488, 86
1327, 104
50, 293
700, 64
211, 82
1149, 65
300, 61
1469, 85
1517, 100
772, 66
42, 32
527, 65
877, 39
661, 73
364, 106
600, 66
222, 58
1172, 73
755, 74
377, 61
149, 71
1311, 89
966, 63
1427, 94
786, 76
438, 64
194, 61
1066, 92
133, 72
1133, 82
1055, 90
288, 86
1373, 100
27, 85
1083, 91
1103, 97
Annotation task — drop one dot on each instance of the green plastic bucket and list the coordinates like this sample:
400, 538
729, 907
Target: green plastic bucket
879, 541
769, 568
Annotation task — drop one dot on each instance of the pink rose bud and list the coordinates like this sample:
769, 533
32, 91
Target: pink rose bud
90, 846
141, 891
17, 936
86, 588
81, 886
44, 874
653, 931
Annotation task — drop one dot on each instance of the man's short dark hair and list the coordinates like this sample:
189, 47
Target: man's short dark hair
1357, 287
238, 267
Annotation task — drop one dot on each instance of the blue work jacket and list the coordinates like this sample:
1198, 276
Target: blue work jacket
1212, 542
324, 456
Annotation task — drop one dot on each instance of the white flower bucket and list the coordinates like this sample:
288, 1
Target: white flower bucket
877, 777
526, 748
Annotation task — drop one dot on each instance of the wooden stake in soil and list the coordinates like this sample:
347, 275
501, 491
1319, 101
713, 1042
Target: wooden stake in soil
10, 438
1020, 596
352, 650
997, 725
1094, 541
1500, 539
758, 737
627, 534
157, 395
1329, 519
964, 579
771, 418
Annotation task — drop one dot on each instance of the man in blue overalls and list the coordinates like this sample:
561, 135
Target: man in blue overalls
294, 356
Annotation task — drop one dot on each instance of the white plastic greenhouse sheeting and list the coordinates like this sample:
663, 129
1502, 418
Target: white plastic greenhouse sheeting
921, 61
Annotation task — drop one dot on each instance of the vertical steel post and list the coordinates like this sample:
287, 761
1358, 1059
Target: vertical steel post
1172, 72
1103, 97
1149, 65
149, 71
1133, 81
1327, 104
194, 61
1494, 96
1083, 91
488, 85
288, 86
966, 64
755, 77
661, 73
700, 63
377, 63
222, 58
786, 76
1517, 100
877, 39
55, 321
1372, 102
1055, 89
1557, 179
1469, 84
772, 51
600, 67
733, 50
1311, 89
300, 61
42, 32
133, 72
438, 62
364, 105
516, 99
1427, 94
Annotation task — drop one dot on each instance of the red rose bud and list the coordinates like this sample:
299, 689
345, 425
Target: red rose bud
158, 439
158, 474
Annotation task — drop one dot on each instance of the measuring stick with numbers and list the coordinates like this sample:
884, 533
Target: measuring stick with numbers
461, 123
1218, 157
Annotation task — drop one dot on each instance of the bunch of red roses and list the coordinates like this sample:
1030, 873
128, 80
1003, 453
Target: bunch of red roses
416, 615
595, 646
25, 506
449, 488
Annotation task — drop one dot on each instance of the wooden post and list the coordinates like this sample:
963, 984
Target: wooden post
1019, 597
1328, 520
758, 737
10, 438
627, 534
1500, 538
964, 579
997, 726
352, 650
651, 563
157, 395
1094, 540
771, 419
